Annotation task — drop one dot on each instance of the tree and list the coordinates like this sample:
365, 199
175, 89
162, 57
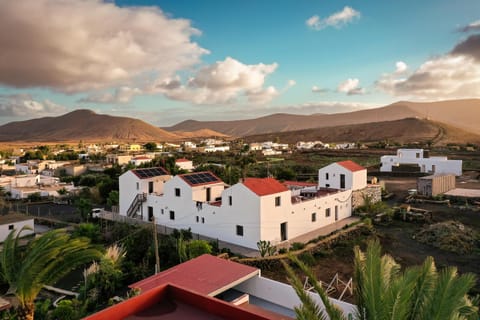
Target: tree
113, 198
44, 261
150, 146
196, 248
103, 279
84, 207
383, 291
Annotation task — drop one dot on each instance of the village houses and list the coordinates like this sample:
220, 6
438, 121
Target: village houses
249, 211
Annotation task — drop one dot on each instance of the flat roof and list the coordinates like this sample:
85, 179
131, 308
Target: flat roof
206, 274
13, 217
467, 193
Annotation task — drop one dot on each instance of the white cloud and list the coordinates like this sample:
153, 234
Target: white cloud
23, 105
222, 82
337, 20
74, 46
473, 26
351, 87
453, 75
122, 94
400, 67
445, 77
317, 89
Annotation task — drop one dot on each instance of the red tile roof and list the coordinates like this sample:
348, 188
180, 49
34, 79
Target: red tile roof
206, 274
182, 160
350, 165
264, 186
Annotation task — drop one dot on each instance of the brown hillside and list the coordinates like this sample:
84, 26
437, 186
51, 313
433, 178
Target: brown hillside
289, 122
464, 114
402, 131
202, 133
83, 125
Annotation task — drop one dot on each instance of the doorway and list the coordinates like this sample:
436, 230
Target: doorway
283, 231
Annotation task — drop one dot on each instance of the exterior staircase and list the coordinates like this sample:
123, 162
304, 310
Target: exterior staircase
136, 204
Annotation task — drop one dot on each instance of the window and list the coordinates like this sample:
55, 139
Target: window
230, 200
239, 230
209, 194
172, 215
314, 217
277, 201
177, 192
150, 187
417, 154
342, 181
198, 219
326, 176
327, 212
203, 220
138, 185
161, 211
10, 227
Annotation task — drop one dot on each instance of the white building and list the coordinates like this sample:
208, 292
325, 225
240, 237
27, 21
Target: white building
139, 160
15, 222
344, 175
20, 187
245, 213
184, 164
420, 158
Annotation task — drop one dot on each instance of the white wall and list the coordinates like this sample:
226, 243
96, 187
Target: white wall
5, 228
433, 165
284, 295
353, 180
299, 215
128, 188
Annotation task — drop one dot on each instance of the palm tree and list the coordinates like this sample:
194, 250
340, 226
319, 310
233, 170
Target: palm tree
383, 291
44, 261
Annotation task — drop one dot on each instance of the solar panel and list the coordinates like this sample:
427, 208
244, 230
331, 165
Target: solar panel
150, 172
200, 178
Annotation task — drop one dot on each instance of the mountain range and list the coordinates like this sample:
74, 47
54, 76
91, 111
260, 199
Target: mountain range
441, 122
464, 114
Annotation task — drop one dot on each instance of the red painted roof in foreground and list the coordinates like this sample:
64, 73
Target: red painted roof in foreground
174, 302
205, 274
350, 165
264, 186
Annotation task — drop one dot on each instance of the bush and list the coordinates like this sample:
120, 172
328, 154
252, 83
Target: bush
297, 246
307, 258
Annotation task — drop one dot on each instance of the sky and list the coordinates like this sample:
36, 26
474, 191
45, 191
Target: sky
168, 61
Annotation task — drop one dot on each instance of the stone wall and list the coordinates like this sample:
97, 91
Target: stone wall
374, 192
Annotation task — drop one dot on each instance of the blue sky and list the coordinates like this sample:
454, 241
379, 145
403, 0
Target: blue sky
168, 61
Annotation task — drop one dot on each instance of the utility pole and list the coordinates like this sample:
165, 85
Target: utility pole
155, 239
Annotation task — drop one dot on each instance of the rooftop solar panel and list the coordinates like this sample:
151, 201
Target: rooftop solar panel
149, 172
200, 178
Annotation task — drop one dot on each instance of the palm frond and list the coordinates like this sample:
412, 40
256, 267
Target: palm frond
449, 296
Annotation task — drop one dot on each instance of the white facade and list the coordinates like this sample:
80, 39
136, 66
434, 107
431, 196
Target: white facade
12, 222
184, 164
239, 214
433, 165
140, 160
130, 185
348, 176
